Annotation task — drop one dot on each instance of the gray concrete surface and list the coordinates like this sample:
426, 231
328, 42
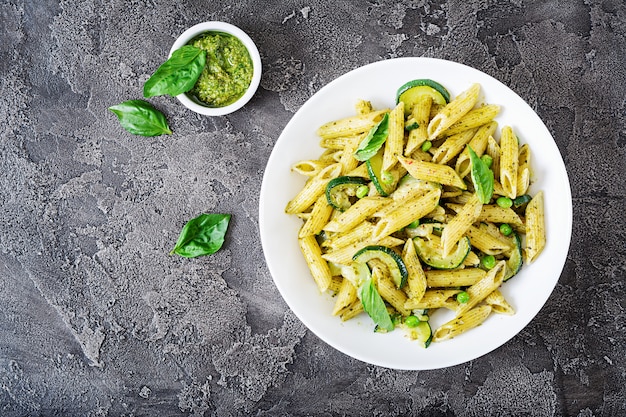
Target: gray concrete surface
96, 319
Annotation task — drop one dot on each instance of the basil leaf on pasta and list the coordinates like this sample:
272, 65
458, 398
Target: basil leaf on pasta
482, 177
375, 138
374, 305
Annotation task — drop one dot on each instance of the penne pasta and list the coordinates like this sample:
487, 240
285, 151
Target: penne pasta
404, 230
356, 214
420, 115
394, 144
499, 304
453, 111
460, 223
319, 217
405, 214
313, 189
452, 146
481, 289
523, 173
317, 265
345, 296
348, 126
478, 144
509, 155
474, 118
441, 278
462, 323
439, 298
429, 171
535, 228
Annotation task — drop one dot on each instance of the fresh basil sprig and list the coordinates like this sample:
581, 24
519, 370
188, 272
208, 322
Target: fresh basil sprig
203, 235
141, 118
374, 305
482, 177
375, 138
178, 74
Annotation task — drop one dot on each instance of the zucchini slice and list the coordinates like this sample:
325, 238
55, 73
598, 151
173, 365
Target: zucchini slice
374, 170
340, 189
391, 259
514, 263
411, 92
433, 256
422, 333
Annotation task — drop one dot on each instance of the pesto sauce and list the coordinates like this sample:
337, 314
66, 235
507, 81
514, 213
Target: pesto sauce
228, 70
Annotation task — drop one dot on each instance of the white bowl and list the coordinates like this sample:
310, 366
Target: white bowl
200, 28
378, 83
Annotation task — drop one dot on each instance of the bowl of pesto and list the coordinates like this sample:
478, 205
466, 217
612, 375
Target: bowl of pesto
232, 71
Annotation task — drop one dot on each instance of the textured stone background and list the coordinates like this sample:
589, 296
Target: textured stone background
97, 319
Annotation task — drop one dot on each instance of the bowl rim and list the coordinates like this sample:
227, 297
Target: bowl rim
217, 26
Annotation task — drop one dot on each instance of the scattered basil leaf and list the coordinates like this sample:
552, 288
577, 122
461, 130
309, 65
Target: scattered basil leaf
203, 235
375, 138
374, 305
178, 74
141, 118
482, 177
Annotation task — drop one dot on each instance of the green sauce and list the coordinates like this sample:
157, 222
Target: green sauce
228, 70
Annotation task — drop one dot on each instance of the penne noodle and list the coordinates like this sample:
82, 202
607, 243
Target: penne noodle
317, 265
395, 139
416, 280
441, 278
405, 214
313, 188
345, 296
356, 214
481, 289
474, 118
523, 173
421, 116
433, 299
535, 227
478, 145
509, 155
453, 111
429, 171
460, 223
353, 125
499, 304
452, 146
319, 217
462, 323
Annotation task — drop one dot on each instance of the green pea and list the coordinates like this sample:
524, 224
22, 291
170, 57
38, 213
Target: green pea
488, 261
362, 191
426, 146
386, 177
487, 160
505, 229
504, 202
463, 297
411, 321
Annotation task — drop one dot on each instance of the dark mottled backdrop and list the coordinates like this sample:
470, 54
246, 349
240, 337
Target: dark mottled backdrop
96, 319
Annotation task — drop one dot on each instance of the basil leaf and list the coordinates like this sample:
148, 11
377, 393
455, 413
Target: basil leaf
374, 305
375, 138
178, 74
140, 118
482, 177
203, 235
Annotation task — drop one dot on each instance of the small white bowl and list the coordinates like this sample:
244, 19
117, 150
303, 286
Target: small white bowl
200, 28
